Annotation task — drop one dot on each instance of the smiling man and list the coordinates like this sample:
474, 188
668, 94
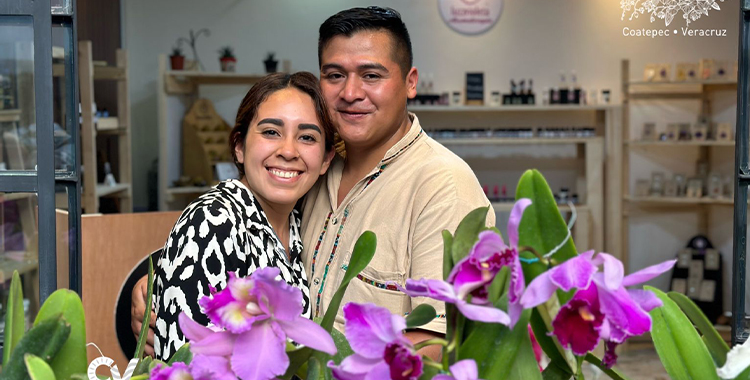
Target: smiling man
395, 180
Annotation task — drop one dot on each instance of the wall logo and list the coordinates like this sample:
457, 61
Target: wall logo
669, 10
471, 16
666, 10
105, 361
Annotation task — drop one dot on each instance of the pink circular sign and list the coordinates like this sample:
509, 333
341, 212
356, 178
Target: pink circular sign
471, 16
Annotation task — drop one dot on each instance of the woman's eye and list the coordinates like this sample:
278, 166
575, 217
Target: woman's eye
308, 138
270, 132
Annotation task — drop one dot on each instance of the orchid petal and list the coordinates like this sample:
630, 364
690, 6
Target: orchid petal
309, 333
738, 359
613, 270
488, 244
379, 372
623, 312
487, 314
576, 331
645, 299
515, 220
370, 328
465, 370
276, 297
354, 367
576, 272
435, 289
217, 344
539, 291
647, 273
191, 329
204, 367
259, 353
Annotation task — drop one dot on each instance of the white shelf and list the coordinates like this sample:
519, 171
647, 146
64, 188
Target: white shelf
516, 108
515, 141
200, 77
680, 143
654, 200
104, 190
10, 115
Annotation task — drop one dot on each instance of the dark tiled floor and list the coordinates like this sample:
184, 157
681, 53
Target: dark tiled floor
637, 364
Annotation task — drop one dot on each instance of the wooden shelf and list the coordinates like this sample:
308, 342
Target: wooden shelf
680, 143
188, 190
10, 115
677, 89
100, 72
184, 82
515, 141
508, 206
104, 190
15, 196
664, 201
529, 108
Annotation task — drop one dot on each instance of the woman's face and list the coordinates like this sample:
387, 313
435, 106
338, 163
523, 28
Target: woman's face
284, 152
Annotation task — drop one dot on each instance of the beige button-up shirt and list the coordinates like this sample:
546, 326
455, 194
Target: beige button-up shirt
419, 189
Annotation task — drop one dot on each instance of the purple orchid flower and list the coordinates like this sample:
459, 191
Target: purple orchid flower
259, 313
178, 371
462, 370
474, 274
601, 308
381, 352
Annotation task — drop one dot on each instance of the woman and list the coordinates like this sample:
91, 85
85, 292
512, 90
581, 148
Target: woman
282, 142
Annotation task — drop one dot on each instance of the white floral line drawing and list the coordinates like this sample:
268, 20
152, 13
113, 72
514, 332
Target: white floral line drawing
692, 10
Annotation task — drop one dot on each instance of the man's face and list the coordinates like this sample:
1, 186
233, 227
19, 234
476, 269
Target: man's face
365, 89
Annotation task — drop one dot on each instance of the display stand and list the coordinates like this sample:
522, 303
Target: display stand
590, 161
88, 73
177, 91
632, 204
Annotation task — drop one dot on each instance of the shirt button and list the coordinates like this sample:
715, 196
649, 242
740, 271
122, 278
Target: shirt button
316, 281
335, 221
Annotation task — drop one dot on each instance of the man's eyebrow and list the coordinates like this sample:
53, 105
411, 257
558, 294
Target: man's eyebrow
310, 126
269, 120
364, 66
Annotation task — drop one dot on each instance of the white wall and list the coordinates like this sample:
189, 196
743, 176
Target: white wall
533, 39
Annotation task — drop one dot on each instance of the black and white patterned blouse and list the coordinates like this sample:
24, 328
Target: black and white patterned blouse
224, 230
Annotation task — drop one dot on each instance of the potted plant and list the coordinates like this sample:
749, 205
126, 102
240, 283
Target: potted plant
177, 60
227, 59
271, 63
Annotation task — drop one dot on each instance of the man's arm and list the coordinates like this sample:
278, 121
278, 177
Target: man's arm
137, 312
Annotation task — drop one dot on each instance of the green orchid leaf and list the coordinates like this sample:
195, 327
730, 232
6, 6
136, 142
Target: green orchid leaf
420, 315
156, 362
72, 357
542, 227
447, 254
541, 324
556, 371
429, 372
343, 349
43, 340
499, 285
183, 355
716, 345
313, 368
38, 368
745, 375
143, 335
502, 353
14, 317
679, 346
611, 372
143, 365
467, 233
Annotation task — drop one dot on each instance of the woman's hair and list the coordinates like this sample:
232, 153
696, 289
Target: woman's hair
302, 81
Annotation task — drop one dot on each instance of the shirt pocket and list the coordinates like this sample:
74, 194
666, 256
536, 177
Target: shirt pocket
377, 287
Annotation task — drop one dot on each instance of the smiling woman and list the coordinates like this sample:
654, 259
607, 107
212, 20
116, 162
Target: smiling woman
282, 142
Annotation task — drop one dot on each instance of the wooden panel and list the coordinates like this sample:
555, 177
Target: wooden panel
594, 191
123, 109
111, 246
89, 200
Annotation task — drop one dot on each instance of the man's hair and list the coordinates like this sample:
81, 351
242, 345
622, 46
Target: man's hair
303, 81
354, 20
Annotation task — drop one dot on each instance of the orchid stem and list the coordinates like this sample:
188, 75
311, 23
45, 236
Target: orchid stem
430, 342
532, 250
432, 363
458, 334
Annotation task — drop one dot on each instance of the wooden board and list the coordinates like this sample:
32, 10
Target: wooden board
111, 246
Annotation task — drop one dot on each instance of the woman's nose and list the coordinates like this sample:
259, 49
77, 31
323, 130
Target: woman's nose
288, 148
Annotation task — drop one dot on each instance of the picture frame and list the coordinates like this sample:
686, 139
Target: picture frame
684, 132
700, 132
681, 183
684, 257
642, 188
686, 72
724, 132
721, 70
663, 73
706, 69
712, 259
715, 186
679, 285
696, 269
670, 188
694, 287
649, 132
707, 291
649, 72
657, 184
673, 131
694, 188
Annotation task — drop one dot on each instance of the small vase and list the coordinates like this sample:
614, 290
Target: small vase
271, 65
177, 62
228, 64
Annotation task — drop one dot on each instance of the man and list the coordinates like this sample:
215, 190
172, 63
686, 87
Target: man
395, 180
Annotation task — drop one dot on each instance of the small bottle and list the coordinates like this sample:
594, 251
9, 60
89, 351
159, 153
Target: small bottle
574, 95
531, 97
495, 193
430, 88
563, 89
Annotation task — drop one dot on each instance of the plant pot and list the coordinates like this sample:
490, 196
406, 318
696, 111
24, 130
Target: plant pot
228, 64
177, 62
271, 65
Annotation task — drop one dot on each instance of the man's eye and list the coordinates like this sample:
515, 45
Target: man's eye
372, 76
334, 76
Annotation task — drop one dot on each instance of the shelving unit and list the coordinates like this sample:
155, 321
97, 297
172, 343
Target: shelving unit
88, 73
592, 181
637, 90
177, 90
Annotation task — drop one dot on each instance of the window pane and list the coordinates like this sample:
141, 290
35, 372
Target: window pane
19, 248
65, 113
17, 116
61, 7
